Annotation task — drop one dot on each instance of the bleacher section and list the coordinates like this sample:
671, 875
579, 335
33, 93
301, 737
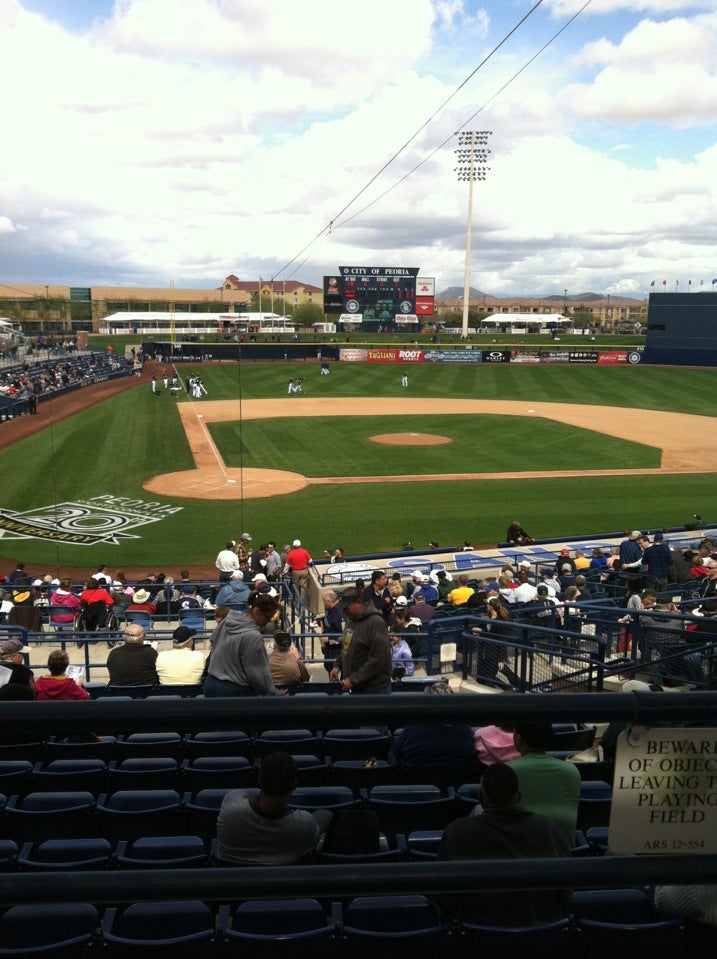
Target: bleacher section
52, 378
130, 833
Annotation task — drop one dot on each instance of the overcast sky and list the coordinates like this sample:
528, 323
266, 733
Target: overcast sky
149, 141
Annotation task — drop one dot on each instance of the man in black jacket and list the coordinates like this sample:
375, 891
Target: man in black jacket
504, 830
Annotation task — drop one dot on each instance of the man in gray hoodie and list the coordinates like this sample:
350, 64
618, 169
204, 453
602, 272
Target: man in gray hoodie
364, 662
238, 662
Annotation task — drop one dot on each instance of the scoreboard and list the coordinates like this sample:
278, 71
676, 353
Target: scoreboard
373, 293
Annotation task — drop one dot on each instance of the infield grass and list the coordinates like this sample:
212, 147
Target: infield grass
110, 449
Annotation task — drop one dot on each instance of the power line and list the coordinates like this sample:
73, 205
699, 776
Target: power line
466, 122
410, 140
332, 224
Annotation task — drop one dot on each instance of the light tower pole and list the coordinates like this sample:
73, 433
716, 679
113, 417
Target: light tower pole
472, 155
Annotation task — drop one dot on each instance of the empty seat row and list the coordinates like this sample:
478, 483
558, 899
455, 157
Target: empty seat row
622, 915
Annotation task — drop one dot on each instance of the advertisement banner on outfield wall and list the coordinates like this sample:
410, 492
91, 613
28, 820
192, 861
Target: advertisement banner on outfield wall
394, 356
554, 356
453, 356
352, 355
528, 357
582, 357
611, 357
496, 356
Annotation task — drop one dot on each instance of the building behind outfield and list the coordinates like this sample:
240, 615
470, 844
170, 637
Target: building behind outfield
682, 329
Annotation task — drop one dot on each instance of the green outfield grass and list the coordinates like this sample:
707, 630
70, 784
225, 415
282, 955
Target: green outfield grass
342, 446
110, 449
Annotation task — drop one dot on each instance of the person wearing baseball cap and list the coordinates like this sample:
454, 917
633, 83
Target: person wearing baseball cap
364, 664
12, 652
242, 553
182, 664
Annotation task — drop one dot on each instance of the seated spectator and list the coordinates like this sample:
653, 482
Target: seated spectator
142, 602
12, 652
401, 656
95, 601
444, 584
419, 608
24, 612
189, 598
235, 592
66, 604
167, 599
549, 786
506, 589
599, 560
262, 830
5, 606
581, 561
285, 663
459, 595
583, 589
134, 662
494, 744
446, 745
58, 686
504, 829
182, 664
564, 559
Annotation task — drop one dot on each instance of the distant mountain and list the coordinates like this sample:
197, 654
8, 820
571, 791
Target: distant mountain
456, 292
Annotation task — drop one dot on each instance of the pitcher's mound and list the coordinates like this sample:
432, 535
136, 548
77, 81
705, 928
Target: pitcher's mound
411, 439
215, 483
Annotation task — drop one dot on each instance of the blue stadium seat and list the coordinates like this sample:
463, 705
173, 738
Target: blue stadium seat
142, 745
405, 808
275, 921
158, 852
625, 920
8, 854
223, 742
62, 854
131, 813
393, 917
218, 772
62, 774
44, 815
90, 748
38, 929
361, 743
424, 843
358, 774
144, 772
154, 924
594, 805
287, 740
15, 775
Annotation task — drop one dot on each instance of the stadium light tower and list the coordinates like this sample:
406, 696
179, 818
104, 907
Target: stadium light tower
472, 156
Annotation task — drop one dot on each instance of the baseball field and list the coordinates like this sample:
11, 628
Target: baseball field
138, 480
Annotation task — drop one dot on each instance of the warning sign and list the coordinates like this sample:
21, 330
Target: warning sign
665, 792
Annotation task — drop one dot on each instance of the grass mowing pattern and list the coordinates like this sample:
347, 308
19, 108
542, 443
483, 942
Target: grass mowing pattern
112, 448
342, 446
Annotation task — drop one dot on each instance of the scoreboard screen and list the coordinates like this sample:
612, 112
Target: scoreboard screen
384, 294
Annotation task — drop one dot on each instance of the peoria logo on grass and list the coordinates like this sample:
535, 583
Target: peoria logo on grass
84, 522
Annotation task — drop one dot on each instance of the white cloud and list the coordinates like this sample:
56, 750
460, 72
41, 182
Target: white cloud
194, 139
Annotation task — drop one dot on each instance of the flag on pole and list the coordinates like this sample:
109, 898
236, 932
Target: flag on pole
713, 282
701, 282
689, 283
653, 283
664, 282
